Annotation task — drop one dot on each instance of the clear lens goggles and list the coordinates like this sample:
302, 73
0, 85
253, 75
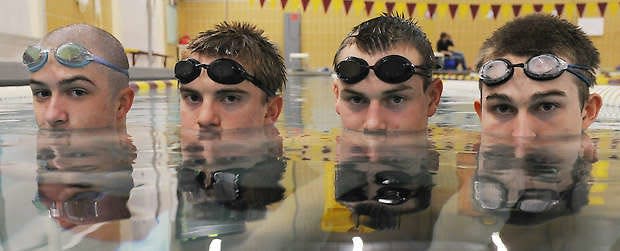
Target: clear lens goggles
542, 67
391, 69
68, 54
224, 71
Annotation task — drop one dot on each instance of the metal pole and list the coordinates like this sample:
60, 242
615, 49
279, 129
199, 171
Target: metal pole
149, 10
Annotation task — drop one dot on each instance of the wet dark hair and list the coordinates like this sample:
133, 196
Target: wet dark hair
386, 32
247, 44
541, 34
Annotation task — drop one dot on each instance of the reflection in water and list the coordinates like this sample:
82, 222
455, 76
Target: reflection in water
379, 178
531, 182
227, 179
84, 177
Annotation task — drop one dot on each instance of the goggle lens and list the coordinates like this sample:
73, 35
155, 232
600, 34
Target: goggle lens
186, 71
72, 55
545, 67
352, 71
394, 69
494, 71
225, 72
32, 55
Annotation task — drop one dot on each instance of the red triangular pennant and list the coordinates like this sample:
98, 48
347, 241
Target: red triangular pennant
389, 6
473, 8
432, 7
283, 2
559, 7
601, 7
262, 2
410, 8
495, 8
453, 9
368, 7
580, 8
516, 9
326, 4
304, 4
347, 6
538, 7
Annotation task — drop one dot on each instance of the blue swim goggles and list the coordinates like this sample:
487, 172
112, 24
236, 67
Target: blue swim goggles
68, 54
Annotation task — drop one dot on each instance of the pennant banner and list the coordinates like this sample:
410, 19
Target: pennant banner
580, 8
368, 7
559, 7
434, 10
473, 8
347, 6
453, 9
326, 5
538, 7
432, 7
601, 7
495, 9
389, 6
410, 9
516, 8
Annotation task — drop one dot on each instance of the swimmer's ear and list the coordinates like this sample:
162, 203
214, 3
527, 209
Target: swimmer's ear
274, 108
590, 110
125, 100
478, 108
434, 91
335, 88
336, 91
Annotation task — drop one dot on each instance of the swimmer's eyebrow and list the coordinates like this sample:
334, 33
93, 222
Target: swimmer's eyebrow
65, 81
498, 97
541, 95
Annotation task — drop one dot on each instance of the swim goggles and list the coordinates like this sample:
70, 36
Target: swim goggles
392, 69
491, 195
89, 207
68, 54
224, 71
541, 67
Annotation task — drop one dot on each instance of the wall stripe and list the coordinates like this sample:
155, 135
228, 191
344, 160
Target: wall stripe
156, 85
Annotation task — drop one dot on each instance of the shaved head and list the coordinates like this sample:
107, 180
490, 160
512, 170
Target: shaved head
98, 42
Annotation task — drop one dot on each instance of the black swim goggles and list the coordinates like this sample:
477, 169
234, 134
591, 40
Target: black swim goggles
541, 67
392, 69
223, 70
68, 54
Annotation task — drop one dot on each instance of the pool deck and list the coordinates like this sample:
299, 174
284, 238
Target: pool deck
14, 74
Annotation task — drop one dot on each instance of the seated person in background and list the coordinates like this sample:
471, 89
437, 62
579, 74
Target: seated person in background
443, 46
535, 74
238, 88
385, 82
69, 90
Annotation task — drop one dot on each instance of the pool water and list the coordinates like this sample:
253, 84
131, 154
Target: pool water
305, 184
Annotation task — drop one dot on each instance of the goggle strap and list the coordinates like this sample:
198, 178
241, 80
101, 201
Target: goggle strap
109, 65
259, 84
580, 77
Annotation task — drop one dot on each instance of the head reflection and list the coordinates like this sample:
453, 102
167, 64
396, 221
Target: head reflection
531, 182
84, 176
227, 180
379, 178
